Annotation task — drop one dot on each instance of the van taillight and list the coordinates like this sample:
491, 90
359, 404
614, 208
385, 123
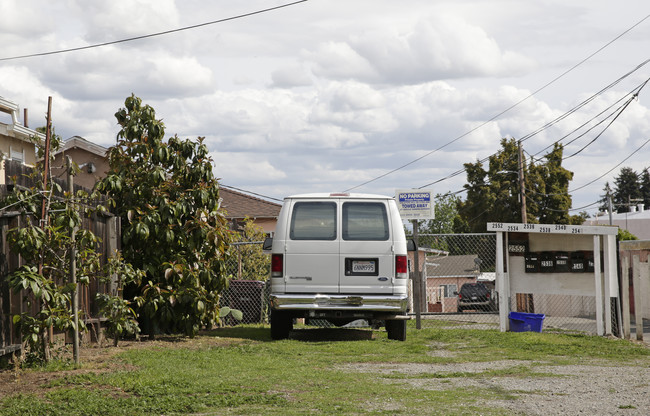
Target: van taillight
401, 267
276, 265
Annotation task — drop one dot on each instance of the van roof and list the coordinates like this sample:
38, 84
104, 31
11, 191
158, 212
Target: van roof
338, 195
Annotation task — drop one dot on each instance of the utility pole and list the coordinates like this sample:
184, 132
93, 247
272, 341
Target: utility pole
522, 184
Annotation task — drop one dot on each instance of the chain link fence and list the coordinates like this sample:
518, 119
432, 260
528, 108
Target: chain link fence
248, 290
461, 288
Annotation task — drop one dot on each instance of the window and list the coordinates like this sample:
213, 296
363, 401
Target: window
17, 155
449, 290
313, 221
365, 221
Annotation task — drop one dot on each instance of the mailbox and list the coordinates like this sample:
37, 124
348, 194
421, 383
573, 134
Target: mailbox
546, 262
577, 262
561, 261
531, 262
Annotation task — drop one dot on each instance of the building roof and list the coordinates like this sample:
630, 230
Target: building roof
637, 221
15, 129
81, 143
240, 205
452, 266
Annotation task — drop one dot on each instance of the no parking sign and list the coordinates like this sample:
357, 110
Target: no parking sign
415, 204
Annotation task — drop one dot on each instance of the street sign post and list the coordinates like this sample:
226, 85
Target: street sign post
414, 205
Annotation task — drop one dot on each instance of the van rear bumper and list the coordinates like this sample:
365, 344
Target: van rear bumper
341, 302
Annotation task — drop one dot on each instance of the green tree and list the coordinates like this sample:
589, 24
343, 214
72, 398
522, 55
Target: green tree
579, 218
446, 213
172, 228
604, 199
554, 202
121, 317
252, 262
494, 195
626, 189
645, 187
624, 235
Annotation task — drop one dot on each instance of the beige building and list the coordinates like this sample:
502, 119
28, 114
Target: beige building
90, 157
16, 140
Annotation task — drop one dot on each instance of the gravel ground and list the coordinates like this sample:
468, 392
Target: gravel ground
571, 390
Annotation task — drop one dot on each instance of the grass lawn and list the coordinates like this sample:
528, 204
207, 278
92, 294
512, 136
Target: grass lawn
240, 371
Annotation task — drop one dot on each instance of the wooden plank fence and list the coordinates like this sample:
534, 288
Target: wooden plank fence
635, 286
105, 226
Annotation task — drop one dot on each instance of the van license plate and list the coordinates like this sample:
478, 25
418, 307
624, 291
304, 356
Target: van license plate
359, 266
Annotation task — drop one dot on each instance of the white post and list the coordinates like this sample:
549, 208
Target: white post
611, 281
503, 287
625, 295
600, 330
638, 297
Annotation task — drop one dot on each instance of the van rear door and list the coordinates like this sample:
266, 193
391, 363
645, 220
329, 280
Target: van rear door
367, 258
312, 247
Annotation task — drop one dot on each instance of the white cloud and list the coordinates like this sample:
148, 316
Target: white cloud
235, 167
437, 47
327, 95
290, 76
108, 21
113, 73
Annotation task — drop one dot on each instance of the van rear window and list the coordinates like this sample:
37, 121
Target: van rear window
313, 221
365, 221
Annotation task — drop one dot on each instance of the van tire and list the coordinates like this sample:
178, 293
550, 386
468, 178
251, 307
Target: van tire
281, 325
396, 329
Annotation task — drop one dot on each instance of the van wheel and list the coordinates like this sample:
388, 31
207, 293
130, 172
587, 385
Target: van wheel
396, 329
281, 324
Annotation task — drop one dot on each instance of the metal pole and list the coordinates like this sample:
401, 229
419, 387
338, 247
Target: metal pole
417, 282
73, 267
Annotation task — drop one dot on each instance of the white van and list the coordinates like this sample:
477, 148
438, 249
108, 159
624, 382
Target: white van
339, 257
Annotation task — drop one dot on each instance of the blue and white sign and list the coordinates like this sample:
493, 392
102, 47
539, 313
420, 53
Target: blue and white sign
415, 204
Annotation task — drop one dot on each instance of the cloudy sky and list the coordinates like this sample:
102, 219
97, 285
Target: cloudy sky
331, 95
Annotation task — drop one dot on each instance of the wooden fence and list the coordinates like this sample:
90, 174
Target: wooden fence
105, 226
635, 286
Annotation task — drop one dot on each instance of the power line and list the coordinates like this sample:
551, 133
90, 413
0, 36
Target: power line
574, 109
249, 192
504, 111
602, 132
584, 103
604, 174
151, 35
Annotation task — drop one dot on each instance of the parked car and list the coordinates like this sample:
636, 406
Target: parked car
340, 258
476, 296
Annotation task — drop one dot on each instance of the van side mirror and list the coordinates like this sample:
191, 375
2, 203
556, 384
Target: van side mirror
410, 245
268, 244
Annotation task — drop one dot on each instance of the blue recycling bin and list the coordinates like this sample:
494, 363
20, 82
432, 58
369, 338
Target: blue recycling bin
526, 322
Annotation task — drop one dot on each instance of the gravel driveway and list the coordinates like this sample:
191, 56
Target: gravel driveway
591, 389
